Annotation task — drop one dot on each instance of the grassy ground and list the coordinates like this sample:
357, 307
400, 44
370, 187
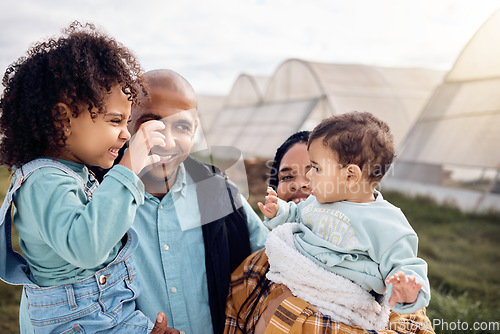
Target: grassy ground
464, 263
9, 295
461, 249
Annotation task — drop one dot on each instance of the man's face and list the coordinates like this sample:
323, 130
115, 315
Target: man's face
178, 112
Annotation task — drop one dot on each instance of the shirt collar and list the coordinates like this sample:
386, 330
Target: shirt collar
179, 188
79, 168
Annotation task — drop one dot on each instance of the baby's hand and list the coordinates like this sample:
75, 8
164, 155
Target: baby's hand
138, 155
404, 290
270, 209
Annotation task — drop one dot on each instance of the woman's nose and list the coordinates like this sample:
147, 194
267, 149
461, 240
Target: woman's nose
300, 182
303, 182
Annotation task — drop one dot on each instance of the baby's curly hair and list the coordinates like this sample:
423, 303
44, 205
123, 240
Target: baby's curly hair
358, 138
77, 69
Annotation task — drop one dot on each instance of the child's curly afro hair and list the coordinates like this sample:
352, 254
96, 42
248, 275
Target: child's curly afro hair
77, 69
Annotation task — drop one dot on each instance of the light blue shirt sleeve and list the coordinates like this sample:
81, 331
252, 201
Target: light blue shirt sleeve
258, 231
63, 237
288, 212
111, 188
402, 256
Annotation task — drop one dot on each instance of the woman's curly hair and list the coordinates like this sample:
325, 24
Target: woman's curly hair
77, 69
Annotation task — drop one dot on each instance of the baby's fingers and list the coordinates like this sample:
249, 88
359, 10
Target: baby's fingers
268, 210
261, 207
271, 192
396, 278
264, 210
271, 200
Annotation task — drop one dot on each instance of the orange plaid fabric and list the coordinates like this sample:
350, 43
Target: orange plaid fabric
249, 295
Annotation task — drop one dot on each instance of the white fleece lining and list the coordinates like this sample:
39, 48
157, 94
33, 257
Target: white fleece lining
331, 294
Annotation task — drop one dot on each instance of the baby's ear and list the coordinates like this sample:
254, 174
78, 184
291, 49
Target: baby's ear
353, 173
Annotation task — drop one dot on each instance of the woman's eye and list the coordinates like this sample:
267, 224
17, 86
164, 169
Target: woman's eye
286, 177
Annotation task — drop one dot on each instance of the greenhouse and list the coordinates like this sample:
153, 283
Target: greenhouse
455, 140
259, 115
445, 124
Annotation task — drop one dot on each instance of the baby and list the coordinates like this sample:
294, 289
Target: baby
345, 225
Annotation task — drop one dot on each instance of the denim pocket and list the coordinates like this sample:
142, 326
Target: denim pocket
57, 316
76, 329
123, 287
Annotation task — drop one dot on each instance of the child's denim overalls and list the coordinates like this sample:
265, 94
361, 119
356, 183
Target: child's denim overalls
103, 302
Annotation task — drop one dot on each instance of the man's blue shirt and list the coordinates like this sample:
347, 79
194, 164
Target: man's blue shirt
170, 259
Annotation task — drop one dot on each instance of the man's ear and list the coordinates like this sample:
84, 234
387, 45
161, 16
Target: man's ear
196, 122
196, 125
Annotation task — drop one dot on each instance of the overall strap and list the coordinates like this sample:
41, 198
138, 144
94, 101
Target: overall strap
13, 267
27, 169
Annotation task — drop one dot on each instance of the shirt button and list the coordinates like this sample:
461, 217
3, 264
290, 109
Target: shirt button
166, 247
182, 332
174, 289
161, 207
102, 279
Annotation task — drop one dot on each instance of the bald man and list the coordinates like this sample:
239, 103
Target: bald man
194, 227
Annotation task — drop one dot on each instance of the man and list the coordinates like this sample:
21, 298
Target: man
192, 228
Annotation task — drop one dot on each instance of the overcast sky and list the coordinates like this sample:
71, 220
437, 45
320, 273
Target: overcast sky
211, 42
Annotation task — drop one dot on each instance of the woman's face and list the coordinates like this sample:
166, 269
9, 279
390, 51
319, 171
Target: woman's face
293, 184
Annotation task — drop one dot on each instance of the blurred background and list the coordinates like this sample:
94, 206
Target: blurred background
266, 69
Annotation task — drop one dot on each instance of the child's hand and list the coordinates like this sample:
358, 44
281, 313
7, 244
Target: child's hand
270, 209
404, 289
137, 155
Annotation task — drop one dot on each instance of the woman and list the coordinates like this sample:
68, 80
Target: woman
290, 166
257, 305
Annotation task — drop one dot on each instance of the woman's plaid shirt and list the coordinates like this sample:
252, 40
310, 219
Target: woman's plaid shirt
294, 315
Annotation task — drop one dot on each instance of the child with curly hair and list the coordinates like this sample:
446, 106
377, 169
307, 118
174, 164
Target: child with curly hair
65, 107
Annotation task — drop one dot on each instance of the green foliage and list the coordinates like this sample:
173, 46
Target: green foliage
10, 296
451, 313
464, 260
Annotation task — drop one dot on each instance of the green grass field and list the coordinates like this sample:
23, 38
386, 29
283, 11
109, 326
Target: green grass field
464, 263
461, 249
